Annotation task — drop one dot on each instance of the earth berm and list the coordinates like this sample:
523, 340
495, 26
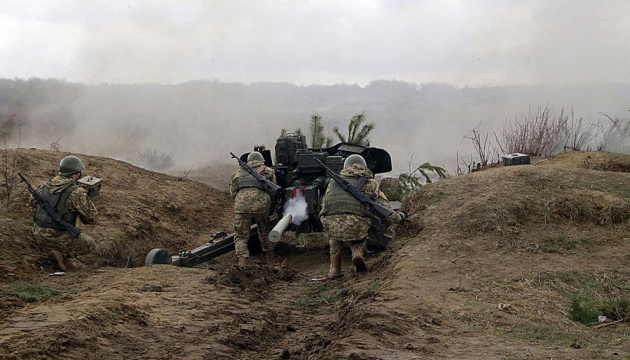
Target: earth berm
488, 266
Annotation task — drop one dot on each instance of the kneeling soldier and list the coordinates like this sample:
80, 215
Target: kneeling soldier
69, 201
345, 219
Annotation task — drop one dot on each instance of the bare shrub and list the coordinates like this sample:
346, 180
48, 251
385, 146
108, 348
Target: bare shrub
152, 159
485, 150
54, 145
487, 154
543, 133
574, 131
536, 133
613, 135
10, 131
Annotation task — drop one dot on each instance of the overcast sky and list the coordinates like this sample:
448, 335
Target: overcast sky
464, 43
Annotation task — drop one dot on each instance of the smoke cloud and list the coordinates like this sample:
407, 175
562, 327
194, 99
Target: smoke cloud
296, 206
464, 43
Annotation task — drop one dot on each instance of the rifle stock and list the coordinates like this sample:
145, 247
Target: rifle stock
73, 231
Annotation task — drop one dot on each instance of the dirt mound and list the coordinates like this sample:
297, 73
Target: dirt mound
138, 210
513, 262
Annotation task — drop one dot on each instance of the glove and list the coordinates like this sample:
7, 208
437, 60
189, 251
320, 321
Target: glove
403, 216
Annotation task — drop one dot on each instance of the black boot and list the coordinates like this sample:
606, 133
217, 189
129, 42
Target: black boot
357, 258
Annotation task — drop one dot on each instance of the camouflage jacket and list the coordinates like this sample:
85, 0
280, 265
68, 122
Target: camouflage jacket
77, 202
252, 200
371, 189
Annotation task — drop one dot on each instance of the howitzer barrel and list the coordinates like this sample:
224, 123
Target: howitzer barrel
280, 228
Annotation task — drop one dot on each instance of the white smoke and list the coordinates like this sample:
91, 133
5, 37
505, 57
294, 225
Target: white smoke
296, 206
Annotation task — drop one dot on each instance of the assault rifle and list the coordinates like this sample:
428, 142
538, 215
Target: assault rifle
259, 177
73, 231
378, 227
380, 210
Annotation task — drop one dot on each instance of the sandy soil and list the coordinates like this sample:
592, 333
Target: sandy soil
483, 269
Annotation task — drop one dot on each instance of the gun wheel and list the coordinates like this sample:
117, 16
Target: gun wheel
158, 256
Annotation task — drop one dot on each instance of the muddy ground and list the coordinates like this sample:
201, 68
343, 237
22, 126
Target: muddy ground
485, 268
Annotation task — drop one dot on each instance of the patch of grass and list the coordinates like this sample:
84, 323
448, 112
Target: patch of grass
36, 293
10, 215
375, 285
590, 294
463, 317
553, 245
540, 332
616, 309
322, 296
583, 308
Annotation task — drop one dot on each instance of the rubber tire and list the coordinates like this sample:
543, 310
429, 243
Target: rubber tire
158, 256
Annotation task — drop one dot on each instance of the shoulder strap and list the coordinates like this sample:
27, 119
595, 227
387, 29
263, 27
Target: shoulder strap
361, 182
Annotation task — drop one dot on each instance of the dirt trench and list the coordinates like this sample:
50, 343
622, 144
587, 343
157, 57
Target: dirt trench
219, 311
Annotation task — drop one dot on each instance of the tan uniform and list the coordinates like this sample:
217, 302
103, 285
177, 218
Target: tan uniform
251, 205
349, 225
77, 203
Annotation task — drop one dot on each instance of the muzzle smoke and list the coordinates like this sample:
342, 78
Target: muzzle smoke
296, 206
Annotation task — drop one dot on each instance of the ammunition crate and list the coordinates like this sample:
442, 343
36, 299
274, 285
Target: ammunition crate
515, 159
91, 184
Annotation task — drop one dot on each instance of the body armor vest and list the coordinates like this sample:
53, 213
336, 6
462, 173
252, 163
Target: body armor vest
247, 180
58, 203
340, 201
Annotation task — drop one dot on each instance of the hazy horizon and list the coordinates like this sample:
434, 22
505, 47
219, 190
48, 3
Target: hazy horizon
216, 76
200, 122
472, 43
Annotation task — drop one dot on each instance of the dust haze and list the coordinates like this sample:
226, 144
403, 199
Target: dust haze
195, 80
199, 123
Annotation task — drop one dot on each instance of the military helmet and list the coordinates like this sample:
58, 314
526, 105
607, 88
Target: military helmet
70, 165
354, 159
255, 155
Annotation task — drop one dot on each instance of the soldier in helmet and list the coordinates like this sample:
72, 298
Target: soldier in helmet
253, 200
346, 220
69, 201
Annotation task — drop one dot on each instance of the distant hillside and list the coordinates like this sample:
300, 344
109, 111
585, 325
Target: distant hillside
200, 122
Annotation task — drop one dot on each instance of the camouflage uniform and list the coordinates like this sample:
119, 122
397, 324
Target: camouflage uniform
77, 204
345, 219
252, 205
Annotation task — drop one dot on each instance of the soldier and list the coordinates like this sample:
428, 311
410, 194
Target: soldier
69, 201
346, 220
253, 200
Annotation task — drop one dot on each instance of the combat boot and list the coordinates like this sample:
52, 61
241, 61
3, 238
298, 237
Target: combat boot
357, 258
242, 261
335, 266
57, 260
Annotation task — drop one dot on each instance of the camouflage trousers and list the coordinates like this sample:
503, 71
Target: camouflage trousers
50, 239
242, 228
345, 229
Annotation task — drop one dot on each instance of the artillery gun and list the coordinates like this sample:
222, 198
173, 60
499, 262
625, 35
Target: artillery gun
298, 203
